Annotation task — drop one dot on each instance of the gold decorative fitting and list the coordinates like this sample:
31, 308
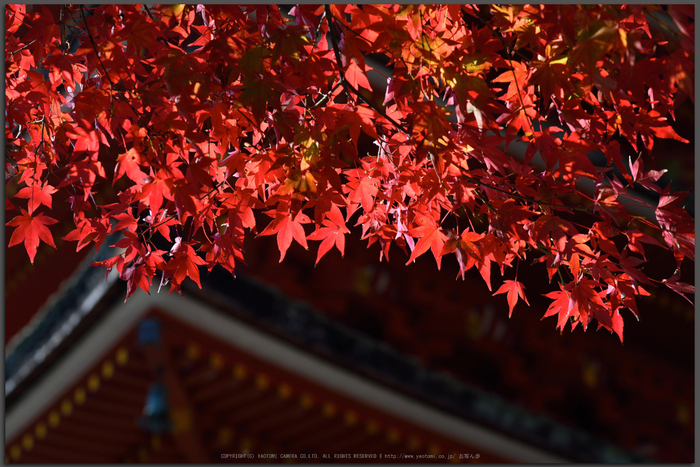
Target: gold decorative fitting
284, 391
413, 443
182, 420
122, 356
262, 381
216, 361
306, 400
142, 455
246, 445
393, 436
350, 418
192, 351
27, 442
40, 430
434, 449
372, 427
328, 409
107, 369
79, 395
93, 382
239, 371
54, 419
15, 452
224, 437
682, 414
589, 374
66, 407
156, 443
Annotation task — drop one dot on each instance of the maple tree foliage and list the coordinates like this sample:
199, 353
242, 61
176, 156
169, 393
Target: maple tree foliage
201, 117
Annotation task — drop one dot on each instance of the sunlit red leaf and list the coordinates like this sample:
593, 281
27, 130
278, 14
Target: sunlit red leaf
514, 289
37, 195
30, 230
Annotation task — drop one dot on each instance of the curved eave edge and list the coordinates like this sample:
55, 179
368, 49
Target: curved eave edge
267, 307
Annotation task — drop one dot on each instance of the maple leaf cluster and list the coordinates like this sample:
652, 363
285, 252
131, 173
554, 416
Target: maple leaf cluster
204, 118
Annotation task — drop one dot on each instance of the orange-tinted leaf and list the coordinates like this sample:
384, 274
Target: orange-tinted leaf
356, 77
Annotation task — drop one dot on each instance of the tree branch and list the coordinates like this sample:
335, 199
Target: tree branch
350, 88
23, 47
112, 86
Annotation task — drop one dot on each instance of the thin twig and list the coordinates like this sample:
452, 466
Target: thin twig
350, 88
109, 79
510, 53
23, 47
148, 12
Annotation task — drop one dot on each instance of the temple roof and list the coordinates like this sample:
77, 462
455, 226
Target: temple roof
256, 309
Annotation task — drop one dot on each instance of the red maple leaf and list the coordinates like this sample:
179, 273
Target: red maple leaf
514, 289
223, 251
362, 191
89, 230
618, 324
332, 233
429, 236
636, 238
37, 195
31, 229
184, 263
679, 287
287, 228
128, 163
562, 305
206, 128
135, 276
356, 77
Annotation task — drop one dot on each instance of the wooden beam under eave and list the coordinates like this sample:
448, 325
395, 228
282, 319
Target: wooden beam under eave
290, 433
200, 376
119, 396
215, 390
280, 418
70, 448
245, 395
114, 408
84, 420
135, 364
104, 431
347, 443
156, 449
314, 442
99, 413
260, 408
128, 380
102, 452
33, 457
60, 455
